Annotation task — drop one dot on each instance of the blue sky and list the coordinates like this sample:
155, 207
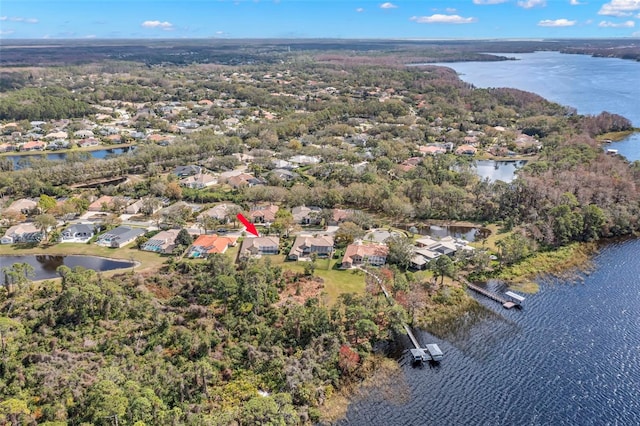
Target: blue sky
37, 19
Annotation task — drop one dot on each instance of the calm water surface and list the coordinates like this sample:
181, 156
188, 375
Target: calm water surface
498, 170
22, 161
45, 265
591, 85
570, 357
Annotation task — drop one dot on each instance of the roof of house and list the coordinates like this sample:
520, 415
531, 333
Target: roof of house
268, 212
79, 228
213, 243
304, 241
22, 204
97, 204
123, 233
22, 228
259, 242
200, 179
220, 211
364, 250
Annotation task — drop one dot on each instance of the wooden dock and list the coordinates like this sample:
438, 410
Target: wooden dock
507, 304
430, 352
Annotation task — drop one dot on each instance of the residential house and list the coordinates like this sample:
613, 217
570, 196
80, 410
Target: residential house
304, 159
305, 245
307, 215
77, 233
84, 134
162, 242
57, 135
103, 203
339, 215
263, 214
7, 147
221, 212
85, 143
432, 150
241, 180
119, 237
466, 150
22, 233
258, 246
199, 181
23, 205
284, 175
410, 164
184, 171
358, 254
205, 245
33, 146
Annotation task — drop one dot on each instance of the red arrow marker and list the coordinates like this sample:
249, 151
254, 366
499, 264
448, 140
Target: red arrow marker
251, 228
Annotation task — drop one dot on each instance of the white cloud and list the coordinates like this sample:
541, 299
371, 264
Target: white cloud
388, 5
620, 8
575, 3
158, 24
6, 32
90, 36
360, 10
528, 4
489, 1
636, 34
556, 23
19, 19
442, 19
607, 24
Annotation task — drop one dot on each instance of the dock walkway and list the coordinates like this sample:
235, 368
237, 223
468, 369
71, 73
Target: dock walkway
507, 304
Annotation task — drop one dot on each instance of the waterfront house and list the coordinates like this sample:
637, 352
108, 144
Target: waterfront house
77, 233
162, 242
358, 254
305, 245
119, 237
466, 150
33, 146
22, 233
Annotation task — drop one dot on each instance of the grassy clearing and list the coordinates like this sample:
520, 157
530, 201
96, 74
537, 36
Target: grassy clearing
491, 240
616, 136
336, 281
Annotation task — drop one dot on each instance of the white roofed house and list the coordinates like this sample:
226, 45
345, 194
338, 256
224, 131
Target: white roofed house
199, 181
77, 233
222, 212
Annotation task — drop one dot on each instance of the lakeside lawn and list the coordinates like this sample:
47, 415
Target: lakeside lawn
148, 261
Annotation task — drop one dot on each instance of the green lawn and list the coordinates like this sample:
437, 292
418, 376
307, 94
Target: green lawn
148, 260
336, 281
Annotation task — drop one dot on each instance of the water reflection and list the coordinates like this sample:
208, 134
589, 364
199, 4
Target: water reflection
498, 170
46, 265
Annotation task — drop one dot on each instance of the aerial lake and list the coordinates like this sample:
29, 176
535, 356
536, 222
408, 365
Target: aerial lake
22, 161
591, 85
45, 265
572, 355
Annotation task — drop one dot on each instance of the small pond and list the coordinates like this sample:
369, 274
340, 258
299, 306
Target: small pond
45, 265
498, 170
